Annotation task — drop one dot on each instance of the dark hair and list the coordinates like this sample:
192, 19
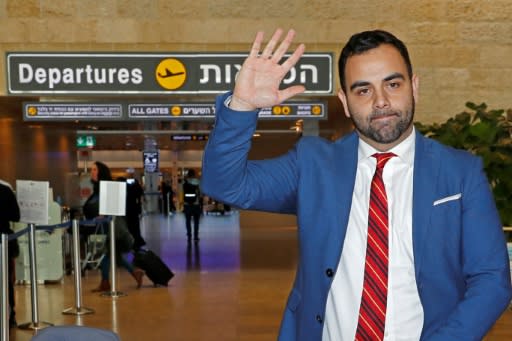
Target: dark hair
103, 171
367, 40
191, 173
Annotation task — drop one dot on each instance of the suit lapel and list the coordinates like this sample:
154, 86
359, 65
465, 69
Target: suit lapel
426, 168
345, 170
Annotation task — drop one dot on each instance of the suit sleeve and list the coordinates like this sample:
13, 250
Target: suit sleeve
485, 264
228, 176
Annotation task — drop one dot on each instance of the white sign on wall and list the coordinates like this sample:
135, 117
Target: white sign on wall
113, 198
33, 201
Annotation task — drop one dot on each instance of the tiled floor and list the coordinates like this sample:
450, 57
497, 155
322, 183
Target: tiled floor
232, 285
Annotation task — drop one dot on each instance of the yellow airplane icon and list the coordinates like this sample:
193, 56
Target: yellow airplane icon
169, 73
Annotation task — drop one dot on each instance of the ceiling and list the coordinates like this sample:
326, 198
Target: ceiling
130, 135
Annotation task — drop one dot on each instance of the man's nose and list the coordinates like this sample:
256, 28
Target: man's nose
381, 99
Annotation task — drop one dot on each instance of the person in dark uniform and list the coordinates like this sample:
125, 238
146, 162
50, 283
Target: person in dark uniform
10, 211
192, 204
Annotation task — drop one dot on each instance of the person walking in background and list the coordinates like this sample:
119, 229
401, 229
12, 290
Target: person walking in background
172, 197
10, 212
192, 204
179, 195
167, 198
91, 209
399, 235
134, 197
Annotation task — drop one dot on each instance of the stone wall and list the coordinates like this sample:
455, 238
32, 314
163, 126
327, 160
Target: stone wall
460, 49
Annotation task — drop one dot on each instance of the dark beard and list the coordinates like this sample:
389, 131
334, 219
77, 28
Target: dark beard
385, 134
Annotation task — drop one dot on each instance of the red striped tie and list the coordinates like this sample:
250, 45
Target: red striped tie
372, 313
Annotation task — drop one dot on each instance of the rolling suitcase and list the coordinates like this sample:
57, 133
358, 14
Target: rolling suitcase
156, 270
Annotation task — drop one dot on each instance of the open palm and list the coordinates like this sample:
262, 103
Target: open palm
257, 84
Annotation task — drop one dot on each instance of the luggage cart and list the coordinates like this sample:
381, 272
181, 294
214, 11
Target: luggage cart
95, 248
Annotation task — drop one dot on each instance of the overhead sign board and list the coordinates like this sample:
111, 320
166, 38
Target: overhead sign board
189, 137
54, 111
170, 110
164, 111
38, 111
149, 73
295, 110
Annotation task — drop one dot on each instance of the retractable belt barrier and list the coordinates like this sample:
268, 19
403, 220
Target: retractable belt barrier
4, 323
35, 324
113, 276
77, 309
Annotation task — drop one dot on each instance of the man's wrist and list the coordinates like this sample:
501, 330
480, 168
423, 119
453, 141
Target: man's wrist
238, 104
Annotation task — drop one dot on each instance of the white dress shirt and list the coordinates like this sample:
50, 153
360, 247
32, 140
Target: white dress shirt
404, 317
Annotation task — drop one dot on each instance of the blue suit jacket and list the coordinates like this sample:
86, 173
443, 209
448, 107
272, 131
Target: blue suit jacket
461, 262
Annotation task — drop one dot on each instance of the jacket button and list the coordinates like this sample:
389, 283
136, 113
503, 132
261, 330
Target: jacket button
319, 318
329, 272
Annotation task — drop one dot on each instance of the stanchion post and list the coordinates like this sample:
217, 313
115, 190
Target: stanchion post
35, 324
5, 278
77, 309
113, 288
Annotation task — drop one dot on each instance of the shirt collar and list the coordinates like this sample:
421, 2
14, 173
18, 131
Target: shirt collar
404, 150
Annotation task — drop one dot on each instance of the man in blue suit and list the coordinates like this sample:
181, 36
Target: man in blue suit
447, 267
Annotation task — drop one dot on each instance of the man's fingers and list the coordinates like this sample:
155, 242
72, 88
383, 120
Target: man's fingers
283, 47
256, 45
290, 92
294, 58
258, 82
267, 52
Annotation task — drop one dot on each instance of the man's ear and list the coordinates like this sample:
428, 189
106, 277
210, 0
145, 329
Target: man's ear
415, 88
343, 99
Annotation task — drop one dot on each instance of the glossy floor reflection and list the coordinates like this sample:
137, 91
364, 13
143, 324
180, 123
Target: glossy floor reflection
232, 285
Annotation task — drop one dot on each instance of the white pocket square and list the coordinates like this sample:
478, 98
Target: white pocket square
450, 198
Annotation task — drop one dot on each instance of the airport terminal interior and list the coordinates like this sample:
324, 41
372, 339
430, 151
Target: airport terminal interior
59, 114
231, 285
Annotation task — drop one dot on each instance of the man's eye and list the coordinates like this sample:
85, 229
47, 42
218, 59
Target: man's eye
363, 91
394, 85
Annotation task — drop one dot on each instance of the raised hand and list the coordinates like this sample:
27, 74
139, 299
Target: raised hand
257, 84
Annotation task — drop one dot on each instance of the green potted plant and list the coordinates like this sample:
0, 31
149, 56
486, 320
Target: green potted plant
487, 133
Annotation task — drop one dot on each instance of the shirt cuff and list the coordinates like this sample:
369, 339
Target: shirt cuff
227, 101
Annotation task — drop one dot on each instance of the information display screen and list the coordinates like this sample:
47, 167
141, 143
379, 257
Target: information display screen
150, 160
